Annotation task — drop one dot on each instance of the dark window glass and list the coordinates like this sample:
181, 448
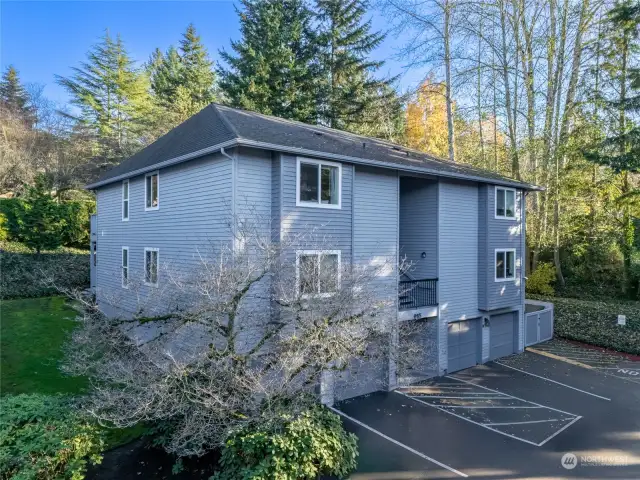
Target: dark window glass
510, 203
511, 264
151, 267
308, 274
152, 190
330, 185
500, 202
329, 273
499, 264
308, 182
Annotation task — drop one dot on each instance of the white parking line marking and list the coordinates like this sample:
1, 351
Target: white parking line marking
461, 398
517, 398
491, 406
563, 428
406, 447
530, 421
554, 381
619, 368
468, 420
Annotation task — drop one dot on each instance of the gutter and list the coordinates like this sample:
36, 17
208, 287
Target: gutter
242, 142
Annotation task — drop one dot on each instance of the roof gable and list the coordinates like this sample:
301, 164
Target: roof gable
218, 125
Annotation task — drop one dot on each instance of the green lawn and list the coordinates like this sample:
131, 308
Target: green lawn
33, 331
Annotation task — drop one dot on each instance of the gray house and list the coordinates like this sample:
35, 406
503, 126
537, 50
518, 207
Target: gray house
461, 227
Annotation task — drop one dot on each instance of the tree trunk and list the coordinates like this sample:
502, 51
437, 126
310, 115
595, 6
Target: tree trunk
447, 66
515, 166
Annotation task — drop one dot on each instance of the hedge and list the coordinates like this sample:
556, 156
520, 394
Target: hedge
595, 322
23, 274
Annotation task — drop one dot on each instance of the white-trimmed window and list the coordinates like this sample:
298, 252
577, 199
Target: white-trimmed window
151, 257
125, 200
152, 191
505, 203
319, 184
505, 264
318, 272
125, 267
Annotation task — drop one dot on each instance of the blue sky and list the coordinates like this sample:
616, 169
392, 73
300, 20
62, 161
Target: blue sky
44, 38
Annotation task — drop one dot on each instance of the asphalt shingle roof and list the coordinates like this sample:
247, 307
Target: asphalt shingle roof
217, 124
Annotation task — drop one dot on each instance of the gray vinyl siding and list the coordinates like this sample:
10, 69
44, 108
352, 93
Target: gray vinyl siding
499, 233
253, 204
375, 240
194, 199
458, 257
333, 226
419, 226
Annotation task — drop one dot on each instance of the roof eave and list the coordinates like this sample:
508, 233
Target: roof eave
377, 163
164, 164
313, 153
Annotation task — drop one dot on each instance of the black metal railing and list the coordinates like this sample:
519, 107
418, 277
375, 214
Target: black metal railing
417, 293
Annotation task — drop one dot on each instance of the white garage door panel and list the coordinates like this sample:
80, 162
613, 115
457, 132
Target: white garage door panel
463, 345
502, 335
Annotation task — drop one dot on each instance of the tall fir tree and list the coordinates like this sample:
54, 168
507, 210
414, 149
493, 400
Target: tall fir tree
183, 79
621, 149
14, 98
113, 98
349, 94
274, 69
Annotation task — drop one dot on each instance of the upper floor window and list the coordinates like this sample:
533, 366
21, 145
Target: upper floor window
125, 200
505, 264
151, 266
151, 191
318, 272
319, 184
125, 267
505, 203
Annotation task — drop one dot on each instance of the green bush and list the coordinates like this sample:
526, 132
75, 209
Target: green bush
43, 437
72, 218
76, 216
541, 280
4, 230
306, 447
27, 275
12, 210
595, 323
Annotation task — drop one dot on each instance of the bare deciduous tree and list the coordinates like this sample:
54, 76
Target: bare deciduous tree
247, 329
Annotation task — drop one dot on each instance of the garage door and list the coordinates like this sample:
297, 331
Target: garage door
464, 344
502, 338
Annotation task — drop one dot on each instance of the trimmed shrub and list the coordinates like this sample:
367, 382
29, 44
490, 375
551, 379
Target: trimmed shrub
43, 437
313, 444
4, 230
595, 322
541, 280
27, 275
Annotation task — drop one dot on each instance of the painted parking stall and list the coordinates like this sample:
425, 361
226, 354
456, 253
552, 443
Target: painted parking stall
609, 363
514, 417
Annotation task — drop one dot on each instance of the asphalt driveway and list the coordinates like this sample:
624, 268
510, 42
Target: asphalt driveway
526, 416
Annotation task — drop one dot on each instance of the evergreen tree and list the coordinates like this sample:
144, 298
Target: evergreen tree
349, 92
113, 98
14, 99
621, 150
274, 70
41, 221
183, 80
